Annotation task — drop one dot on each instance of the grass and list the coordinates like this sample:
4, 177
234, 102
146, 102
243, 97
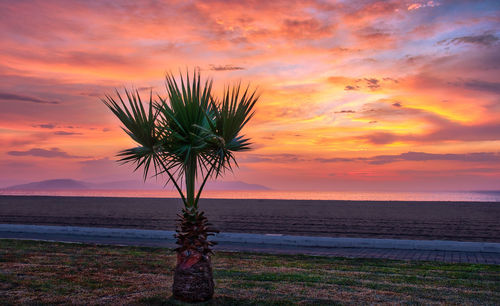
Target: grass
35, 272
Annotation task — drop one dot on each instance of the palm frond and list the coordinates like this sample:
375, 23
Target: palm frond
229, 117
186, 133
139, 124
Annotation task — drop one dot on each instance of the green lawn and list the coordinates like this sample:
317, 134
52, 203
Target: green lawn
33, 272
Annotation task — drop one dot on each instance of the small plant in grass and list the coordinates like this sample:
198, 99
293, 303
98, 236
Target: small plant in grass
188, 134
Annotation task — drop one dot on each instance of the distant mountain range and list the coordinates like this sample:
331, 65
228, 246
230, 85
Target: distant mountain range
70, 184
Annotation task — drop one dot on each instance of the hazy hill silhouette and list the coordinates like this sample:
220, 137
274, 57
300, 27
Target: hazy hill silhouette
70, 184
51, 184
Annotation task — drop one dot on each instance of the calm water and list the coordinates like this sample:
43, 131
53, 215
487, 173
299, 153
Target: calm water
272, 194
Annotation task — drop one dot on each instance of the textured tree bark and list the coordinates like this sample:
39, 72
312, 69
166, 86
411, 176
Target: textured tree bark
193, 278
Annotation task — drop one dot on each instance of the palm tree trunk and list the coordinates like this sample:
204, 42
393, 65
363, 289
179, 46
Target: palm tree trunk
193, 278
190, 169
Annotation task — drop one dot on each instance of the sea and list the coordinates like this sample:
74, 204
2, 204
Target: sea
460, 196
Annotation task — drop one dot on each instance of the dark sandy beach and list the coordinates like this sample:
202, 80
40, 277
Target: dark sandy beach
460, 221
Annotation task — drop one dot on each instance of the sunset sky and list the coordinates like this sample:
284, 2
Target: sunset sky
355, 95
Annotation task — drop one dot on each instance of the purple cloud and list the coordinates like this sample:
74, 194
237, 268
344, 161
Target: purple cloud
65, 133
493, 157
481, 86
483, 39
372, 83
45, 126
350, 87
9, 96
422, 156
225, 67
380, 138
38, 152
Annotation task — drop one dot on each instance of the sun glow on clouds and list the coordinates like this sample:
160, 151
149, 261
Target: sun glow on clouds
342, 83
416, 6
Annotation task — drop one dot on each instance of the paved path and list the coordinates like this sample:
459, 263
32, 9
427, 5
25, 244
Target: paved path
446, 251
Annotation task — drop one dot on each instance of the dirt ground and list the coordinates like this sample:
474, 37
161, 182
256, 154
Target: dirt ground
460, 221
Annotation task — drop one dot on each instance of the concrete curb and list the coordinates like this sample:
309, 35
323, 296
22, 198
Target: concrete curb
253, 239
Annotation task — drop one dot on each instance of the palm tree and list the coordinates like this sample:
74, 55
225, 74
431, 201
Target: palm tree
187, 135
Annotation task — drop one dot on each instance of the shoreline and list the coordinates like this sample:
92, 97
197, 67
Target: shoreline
249, 199
368, 196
